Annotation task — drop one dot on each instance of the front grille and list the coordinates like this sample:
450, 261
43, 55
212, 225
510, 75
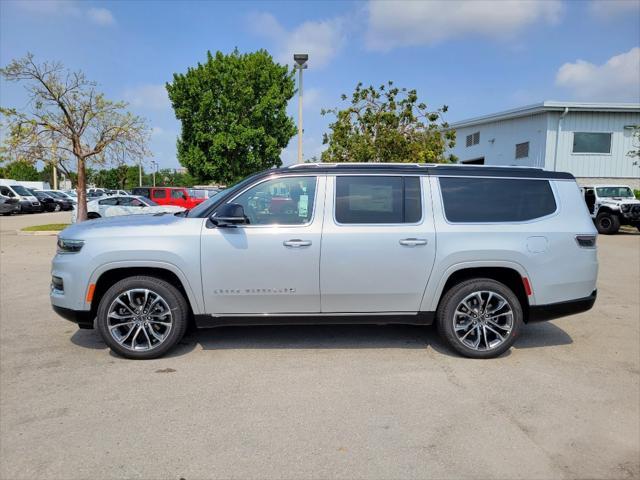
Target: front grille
35, 204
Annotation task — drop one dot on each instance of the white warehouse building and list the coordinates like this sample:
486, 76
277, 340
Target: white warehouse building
590, 140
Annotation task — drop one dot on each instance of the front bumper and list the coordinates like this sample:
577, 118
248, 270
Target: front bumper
84, 319
541, 313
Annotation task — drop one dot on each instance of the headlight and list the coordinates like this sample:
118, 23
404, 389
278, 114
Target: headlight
69, 246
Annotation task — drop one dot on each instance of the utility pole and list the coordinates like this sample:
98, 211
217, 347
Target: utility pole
140, 173
301, 64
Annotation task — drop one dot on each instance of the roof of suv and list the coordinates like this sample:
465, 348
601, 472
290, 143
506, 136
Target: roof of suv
445, 169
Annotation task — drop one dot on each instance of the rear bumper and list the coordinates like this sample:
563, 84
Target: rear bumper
84, 319
540, 313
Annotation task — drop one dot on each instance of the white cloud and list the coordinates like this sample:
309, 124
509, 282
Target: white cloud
101, 16
393, 24
322, 40
152, 97
616, 79
606, 9
67, 8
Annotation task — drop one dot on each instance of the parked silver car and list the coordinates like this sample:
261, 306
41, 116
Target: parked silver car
479, 250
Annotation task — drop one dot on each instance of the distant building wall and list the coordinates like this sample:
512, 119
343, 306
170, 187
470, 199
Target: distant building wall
616, 164
498, 141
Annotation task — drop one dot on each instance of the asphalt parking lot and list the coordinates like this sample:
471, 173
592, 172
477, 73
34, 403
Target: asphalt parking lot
317, 402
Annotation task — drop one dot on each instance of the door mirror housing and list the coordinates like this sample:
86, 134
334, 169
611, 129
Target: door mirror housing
229, 215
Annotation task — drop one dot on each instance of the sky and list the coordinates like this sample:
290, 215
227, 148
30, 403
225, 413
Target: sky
476, 57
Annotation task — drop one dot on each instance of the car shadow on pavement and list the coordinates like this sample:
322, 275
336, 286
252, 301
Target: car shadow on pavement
330, 337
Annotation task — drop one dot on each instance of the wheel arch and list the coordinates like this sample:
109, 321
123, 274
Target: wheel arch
106, 276
510, 275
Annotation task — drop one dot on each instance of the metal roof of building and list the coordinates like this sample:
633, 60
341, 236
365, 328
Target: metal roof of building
549, 106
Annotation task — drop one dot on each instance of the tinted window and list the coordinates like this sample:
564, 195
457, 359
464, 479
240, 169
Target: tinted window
496, 200
591, 142
108, 201
177, 194
159, 194
281, 201
142, 191
378, 199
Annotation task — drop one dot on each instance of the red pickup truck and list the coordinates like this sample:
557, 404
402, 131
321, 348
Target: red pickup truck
179, 196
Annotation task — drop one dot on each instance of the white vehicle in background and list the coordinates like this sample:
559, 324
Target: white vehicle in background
13, 189
119, 205
611, 206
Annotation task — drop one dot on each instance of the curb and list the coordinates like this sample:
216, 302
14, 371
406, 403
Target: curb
41, 233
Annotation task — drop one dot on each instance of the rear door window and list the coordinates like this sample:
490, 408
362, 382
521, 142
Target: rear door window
472, 200
162, 193
177, 194
378, 199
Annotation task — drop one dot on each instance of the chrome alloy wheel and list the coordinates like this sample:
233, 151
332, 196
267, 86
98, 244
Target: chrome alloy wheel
139, 319
483, 320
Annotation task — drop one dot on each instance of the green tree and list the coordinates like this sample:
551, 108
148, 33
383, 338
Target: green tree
69, 118
233, 114
21, 170
387, 124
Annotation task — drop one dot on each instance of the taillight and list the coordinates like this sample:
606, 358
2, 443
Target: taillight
586, 241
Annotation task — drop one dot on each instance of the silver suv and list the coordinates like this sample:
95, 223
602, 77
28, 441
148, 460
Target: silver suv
480, 251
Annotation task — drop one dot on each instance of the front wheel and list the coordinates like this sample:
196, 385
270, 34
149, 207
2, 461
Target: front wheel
607, 223
142, 317
480, 318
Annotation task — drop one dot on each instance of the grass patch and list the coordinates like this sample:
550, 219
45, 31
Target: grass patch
49, 227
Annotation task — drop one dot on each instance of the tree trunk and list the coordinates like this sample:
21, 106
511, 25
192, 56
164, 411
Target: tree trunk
81, 190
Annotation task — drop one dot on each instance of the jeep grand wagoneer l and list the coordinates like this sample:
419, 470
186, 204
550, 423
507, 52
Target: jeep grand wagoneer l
481, 251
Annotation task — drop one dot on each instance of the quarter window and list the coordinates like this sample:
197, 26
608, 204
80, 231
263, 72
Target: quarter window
378, 199
591, 142
281, 201
473, 200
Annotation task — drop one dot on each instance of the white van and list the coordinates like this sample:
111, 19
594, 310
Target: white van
13, 189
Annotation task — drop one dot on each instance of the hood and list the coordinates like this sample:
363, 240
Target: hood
120, 225
619, 201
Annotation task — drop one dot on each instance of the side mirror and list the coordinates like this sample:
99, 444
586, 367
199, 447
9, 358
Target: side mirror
184, 196
229, 215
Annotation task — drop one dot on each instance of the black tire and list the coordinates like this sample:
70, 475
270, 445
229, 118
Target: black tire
445, 317
607, 223
175, 301
93, 215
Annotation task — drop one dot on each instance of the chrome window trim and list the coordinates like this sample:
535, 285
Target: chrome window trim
422, 203
280, 225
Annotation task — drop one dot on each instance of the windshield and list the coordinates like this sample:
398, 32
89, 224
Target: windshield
20, 190
148, 201
614, 192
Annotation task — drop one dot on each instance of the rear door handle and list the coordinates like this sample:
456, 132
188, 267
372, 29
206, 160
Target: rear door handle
413, 242
296, 243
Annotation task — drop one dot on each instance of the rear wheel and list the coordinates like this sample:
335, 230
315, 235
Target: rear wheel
480, 318
607, 223
93, 215
142, 317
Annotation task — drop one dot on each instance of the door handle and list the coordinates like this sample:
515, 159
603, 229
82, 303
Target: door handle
296, 243
413, 242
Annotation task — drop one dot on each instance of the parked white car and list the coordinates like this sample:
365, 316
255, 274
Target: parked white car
124, 205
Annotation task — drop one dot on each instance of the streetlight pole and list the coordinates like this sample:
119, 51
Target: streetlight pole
140, 173
301, 64
155, 168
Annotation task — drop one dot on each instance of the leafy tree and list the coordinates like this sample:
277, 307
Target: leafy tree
387, 124
68, 118
233, 114
21, 170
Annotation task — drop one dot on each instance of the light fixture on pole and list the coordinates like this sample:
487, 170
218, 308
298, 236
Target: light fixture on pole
301, 64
